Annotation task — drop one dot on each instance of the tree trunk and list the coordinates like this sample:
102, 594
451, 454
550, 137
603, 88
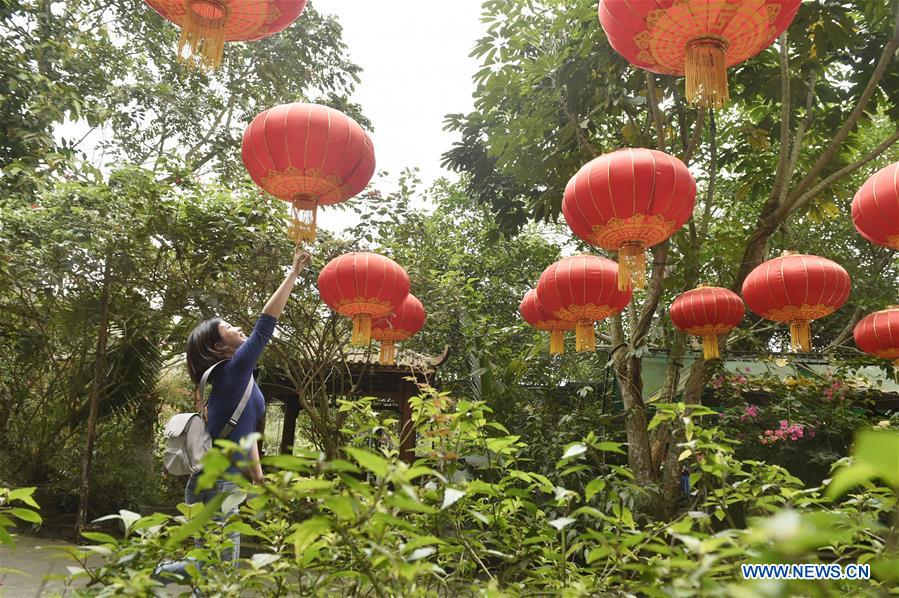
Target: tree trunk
96, 385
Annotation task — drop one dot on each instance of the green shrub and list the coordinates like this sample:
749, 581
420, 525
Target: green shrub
467, 519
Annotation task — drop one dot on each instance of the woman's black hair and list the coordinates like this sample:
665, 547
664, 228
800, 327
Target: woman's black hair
201, 351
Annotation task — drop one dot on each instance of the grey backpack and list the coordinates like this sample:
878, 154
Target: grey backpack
186, 436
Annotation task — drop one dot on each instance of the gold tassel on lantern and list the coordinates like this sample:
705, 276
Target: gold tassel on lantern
203, 33
710, 347
388, 353
556, 342
631, 266
705, 70
585, 336
303, 215
801, 337
361, 329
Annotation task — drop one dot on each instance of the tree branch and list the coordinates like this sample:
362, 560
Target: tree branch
780, 179
660, 260
651, 91
799, 203
886, 57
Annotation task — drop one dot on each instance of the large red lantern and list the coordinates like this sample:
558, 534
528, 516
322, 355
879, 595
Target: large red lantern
797, 289
207, 24
534, 314
363, 286
696, 38
629, 200
308, 155
878, 334
582, 289
707, 312
875, 208
400, 325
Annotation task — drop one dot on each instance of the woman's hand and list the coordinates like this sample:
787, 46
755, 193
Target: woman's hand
300, 260
278, 300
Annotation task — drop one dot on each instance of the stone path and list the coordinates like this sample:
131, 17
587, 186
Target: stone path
39, 560
43, 565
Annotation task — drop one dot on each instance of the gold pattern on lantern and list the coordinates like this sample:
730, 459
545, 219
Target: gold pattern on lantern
313, 182
797, 313
648, 230
709, 329
588, 311
363, 305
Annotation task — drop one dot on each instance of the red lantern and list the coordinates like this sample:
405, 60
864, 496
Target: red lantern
308, 155
207, 24
797, 288
696, 38
707, 312
582, 289
875, 208
407, 320
629, 200
878, 334
363, 286
534, 314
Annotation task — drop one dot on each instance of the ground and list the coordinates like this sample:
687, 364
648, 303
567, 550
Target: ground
43, 569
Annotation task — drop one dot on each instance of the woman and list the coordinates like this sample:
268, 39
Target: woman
213, 341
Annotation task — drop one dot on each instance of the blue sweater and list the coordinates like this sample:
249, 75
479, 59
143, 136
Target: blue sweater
230, 381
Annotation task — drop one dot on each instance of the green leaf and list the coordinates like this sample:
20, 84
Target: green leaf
25, 514
610, 447
99, 537
368, 460
307, 532
502, 444
598, 553
24, 495
593, 487
288, 462
184, 531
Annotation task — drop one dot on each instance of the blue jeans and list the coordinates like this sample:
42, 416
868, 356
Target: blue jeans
178, 569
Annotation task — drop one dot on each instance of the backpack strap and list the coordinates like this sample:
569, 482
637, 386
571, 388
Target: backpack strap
238, 411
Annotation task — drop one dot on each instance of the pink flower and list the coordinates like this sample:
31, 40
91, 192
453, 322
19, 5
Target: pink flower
718, 382
741, 379
811, 433
752, 411
769, 432
784, 424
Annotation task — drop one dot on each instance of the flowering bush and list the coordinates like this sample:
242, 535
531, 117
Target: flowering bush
810, 421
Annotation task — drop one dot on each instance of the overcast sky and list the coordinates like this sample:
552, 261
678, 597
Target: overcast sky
415, 70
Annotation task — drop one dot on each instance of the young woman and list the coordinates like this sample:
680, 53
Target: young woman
215, 340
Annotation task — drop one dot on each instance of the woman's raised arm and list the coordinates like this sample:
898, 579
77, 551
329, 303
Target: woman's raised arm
278, 300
